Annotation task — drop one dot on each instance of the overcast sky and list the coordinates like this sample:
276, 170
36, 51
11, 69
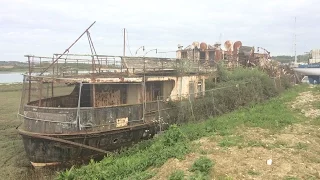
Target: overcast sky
45, 27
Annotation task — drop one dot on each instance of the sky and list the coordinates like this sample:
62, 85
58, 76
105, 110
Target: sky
41, 27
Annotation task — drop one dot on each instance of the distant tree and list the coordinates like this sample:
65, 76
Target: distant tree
287, 59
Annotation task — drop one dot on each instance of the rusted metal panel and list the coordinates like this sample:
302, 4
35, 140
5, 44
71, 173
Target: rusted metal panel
108, 95
228, 46
62, 120
62, 151
218, 55
203, 46
236, 47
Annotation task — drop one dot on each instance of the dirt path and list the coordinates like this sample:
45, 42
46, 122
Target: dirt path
295, 150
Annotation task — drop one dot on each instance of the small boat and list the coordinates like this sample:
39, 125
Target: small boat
312, 69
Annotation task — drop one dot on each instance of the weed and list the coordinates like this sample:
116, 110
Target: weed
203, 152
173, 135
279, 144
230, 141
199, 176
316, 104
290, 178
202, 164
255, 144
67, 175
316, 121
253, 173
301, 146
177, 175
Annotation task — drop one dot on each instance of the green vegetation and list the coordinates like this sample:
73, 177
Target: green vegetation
301, 146
239, 88
230, 141
10, 87
177, 175
202, 165
253, 173
291, 178
288, 59
15, 69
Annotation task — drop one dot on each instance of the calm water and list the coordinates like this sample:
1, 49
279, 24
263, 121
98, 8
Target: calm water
10, 77
16, 77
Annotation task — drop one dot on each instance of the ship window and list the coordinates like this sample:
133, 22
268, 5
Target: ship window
211, 55
191, 89
199, 88
184, 55
154, 89
202, 55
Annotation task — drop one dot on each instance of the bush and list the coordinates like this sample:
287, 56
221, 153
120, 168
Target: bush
173, 136
203, 165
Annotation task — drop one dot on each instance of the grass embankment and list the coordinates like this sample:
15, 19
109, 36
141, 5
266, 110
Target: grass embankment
143, 160
10, 87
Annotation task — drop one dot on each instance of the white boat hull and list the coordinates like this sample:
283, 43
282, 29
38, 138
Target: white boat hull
308, 71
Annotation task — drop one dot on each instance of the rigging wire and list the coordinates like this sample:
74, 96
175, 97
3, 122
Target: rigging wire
127, 42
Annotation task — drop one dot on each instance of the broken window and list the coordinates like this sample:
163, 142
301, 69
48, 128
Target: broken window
191, 89
154, 89
184, 55
199, 88
202, 55
211, 55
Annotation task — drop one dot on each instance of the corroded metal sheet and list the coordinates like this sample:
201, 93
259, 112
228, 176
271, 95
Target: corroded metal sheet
203, 46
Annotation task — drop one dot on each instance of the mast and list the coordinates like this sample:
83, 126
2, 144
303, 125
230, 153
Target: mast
124, 41
295, 41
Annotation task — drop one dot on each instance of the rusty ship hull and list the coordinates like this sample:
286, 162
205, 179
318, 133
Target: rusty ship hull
53, 149
118, 100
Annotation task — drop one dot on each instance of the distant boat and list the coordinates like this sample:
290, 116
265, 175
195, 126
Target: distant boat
310, 70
